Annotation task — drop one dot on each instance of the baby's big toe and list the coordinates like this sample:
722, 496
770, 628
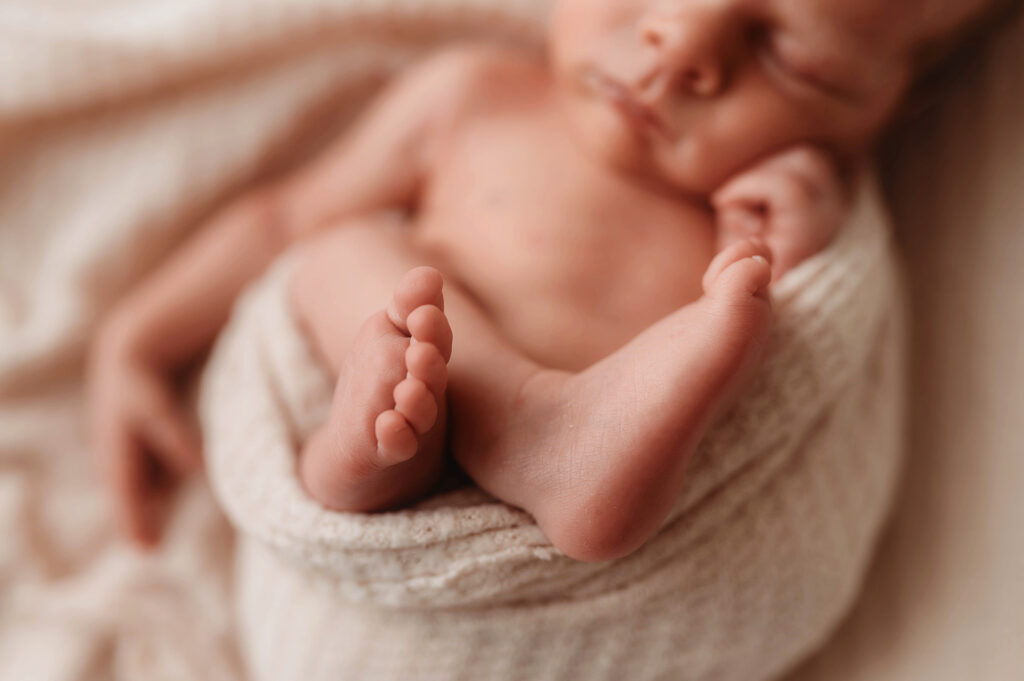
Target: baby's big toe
418, 287
743, 269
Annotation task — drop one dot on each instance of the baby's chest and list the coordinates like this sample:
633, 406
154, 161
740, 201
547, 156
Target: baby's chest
546, 238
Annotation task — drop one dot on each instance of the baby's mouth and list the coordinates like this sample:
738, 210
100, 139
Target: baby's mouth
639, 115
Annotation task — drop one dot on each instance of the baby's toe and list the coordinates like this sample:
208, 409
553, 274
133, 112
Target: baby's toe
419, 286
424, 362
743, 268
396, 441
414, 401
428, 324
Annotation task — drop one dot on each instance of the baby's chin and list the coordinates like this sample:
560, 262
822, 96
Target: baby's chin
608, 140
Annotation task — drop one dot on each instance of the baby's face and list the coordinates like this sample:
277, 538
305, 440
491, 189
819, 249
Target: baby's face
694, 91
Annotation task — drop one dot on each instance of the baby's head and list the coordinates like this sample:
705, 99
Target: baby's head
694, 91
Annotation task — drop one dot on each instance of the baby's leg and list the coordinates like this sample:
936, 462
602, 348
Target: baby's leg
599, 457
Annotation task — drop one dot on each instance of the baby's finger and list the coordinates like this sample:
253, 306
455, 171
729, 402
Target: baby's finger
769, 189
126, 475
743, 189
810, 164
739, 222
170, 432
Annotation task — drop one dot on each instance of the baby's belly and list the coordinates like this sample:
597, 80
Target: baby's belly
569, 296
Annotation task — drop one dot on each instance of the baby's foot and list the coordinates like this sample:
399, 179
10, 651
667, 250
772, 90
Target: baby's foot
384, 440
599, 457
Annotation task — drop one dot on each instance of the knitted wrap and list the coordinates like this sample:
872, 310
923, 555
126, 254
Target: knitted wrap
758, 560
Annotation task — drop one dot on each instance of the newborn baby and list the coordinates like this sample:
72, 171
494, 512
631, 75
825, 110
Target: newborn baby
593, 232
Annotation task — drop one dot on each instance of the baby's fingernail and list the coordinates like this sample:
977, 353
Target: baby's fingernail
760, 259
759, 243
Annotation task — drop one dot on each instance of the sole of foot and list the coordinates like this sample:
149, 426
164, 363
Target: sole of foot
388, 415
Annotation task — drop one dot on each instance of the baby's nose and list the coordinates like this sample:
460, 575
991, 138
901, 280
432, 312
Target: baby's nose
692, 45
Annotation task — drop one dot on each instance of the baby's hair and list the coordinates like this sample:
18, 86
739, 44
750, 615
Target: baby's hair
948, 57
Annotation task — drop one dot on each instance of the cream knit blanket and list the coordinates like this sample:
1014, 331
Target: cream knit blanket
762, 554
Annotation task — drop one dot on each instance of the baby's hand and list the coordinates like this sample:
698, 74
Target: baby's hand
795, 201
141, 436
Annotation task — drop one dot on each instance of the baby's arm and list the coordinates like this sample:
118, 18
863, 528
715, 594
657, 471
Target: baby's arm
173, 315
795, 202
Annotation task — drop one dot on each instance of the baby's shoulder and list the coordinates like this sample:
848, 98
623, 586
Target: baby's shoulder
468, 77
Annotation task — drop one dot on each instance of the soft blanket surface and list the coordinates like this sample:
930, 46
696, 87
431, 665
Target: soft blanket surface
121, 124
